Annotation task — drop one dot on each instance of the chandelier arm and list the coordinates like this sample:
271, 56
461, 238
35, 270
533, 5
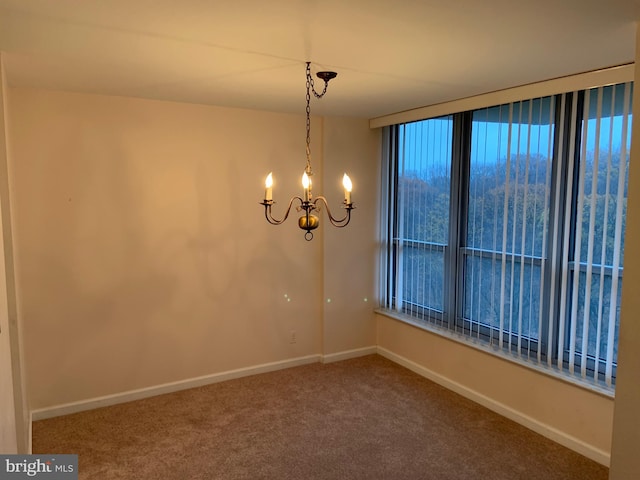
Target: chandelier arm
342, 222
267, 210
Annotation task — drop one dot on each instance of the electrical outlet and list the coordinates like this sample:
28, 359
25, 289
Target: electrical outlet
292, 336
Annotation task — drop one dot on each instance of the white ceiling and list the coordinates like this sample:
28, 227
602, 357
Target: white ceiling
390, 55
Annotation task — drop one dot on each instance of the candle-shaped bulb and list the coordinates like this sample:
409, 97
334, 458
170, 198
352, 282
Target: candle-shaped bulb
268, 185
346, 183
306, 184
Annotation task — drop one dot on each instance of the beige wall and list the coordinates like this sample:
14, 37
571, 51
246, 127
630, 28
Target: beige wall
349, 254
568, 414
12, 382
8, 430
142, 254
625, 461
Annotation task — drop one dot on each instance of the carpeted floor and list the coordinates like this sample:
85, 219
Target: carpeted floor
365, 418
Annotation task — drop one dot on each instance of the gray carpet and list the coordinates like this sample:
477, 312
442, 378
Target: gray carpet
365, 418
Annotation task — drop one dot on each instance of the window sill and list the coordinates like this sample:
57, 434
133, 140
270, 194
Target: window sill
553, 372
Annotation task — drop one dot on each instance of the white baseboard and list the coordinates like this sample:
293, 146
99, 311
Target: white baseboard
89, 404
138, 394
558, 436
548, 431
345, 355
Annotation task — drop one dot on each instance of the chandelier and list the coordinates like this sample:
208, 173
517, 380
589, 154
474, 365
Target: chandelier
308, 220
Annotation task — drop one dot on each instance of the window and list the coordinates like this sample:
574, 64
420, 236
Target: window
423, 213
506, 224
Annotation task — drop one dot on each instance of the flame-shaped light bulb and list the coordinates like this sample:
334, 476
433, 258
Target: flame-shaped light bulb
348, 186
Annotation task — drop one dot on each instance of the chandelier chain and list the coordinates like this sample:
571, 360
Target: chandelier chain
312, 84
311, 88
309, 82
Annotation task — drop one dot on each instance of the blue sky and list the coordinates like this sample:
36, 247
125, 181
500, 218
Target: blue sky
431, 139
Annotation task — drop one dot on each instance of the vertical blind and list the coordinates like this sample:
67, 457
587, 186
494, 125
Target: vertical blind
508, 226
594, 257
423, 214
507, 222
